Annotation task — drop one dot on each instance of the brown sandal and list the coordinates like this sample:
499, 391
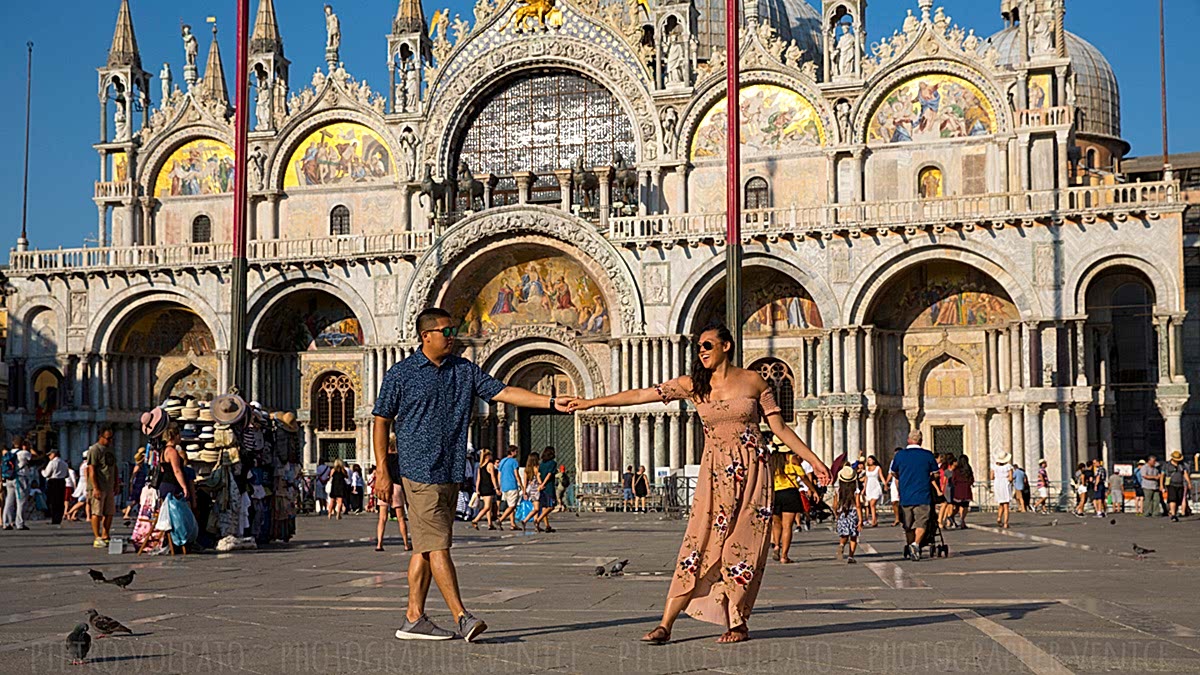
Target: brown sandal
734, 635
659, 636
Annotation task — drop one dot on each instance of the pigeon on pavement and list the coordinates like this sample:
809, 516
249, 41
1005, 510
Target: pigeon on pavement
78, 644
96, 575
599, 570
1142, 552
106, 625
123, 580
617, 568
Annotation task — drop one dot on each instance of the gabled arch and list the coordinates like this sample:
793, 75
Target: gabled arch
1155, 269
278, 287
294, 132
112, 314
918, 369
154, 157
21, 318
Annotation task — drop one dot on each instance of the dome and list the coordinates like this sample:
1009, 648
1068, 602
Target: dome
792, 20
1096, 93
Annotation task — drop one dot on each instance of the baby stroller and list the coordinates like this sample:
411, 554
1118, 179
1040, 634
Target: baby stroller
933, 539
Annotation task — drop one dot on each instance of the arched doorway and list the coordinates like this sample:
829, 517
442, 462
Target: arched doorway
1123, 364
47, 391
164, 350
538, 429
332, 415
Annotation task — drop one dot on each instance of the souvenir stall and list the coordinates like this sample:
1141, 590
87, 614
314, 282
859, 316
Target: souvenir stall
242, 465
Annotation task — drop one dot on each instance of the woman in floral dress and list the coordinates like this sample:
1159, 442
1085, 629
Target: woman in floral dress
720, 564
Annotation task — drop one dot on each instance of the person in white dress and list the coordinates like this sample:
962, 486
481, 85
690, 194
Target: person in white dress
874, 490
1002, 487
894, 495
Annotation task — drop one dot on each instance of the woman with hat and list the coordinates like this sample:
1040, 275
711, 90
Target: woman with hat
1176, 480
848, 509
1002, 487
171, 478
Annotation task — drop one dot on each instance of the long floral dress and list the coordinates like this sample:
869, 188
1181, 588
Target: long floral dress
724, 550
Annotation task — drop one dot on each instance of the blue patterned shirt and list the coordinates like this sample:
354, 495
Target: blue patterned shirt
431, 406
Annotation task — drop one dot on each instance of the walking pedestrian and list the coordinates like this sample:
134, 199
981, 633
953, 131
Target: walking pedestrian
1002, 488
721, 561
945, 508
431, 398
55, 472
339, 484
1020, 485
627, 487
1176, 481
894, 494
847, 507
641, 488
392, 504
1043, 483
1152, 488
531, 489
962, 490
787, 475
916, 470
1116, 492
546, 500
1099, 488
1138, 493
137, 480
356, 488
15, 493
1082, 481
564, 482
102, 479
874, 491
510, 486
485, 487
320, 493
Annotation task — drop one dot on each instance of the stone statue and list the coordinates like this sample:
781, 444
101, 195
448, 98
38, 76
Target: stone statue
262, 105
676, 59
256, 164
318, 80
793, 54
971, 42
333, 30
941, 22
911, 23
412, 87
1043, 33
190, 47
165, 80
842, 111
121, 116
847, 51
670, 120
408, 154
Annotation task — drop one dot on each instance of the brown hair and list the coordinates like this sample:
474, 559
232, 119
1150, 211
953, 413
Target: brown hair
531, 466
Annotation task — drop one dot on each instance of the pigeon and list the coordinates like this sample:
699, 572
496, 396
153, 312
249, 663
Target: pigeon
123, 580
617, 568
1054, 522
96, 576
599, 570
106, 625
78, 644
1142, 552
1113, 521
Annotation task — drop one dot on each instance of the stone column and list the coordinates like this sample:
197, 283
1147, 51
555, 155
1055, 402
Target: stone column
661, 458
148, 238
524, 181
689, 439
604, 174
851, 356
838, 362
271, 231
1081, 379
602, 445
639, 361
872, 421
983, 457
657, 187
564, 188
1031, 379
674, 370
644, 450
869, 362
819, 435
825, 382
1171, 410
623, 357
993, 369
102, 225
1014, 356
681, 198
628, 448
1005, 367
1173, 325
677, 459
839, 431
857, 153
1081, 431
854, 434
1006, 431
1018, 435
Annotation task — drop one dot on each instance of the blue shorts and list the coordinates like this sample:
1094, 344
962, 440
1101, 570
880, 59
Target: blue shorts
628, 493
546, 500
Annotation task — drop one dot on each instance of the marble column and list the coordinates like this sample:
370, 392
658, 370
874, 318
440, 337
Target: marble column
604, 174
689, 439
1030, 379
872, 421
851, 356
1081, 431
564, 188
602, 445
1005, 351
661, 458
644, 450
677, 459
1018, 436
839, 365
854, 449
839, 431
1033, 433
1081, 379
272, 226
628, 447
983, 456
1006, 430
869, 367
623, 359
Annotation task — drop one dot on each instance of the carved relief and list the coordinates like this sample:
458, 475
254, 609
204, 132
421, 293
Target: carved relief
313, 370
656, 280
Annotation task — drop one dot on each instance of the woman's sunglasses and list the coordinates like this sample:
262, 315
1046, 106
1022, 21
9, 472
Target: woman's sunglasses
448, 331
707, 345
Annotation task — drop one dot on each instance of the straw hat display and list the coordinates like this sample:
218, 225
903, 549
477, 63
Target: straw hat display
154, 422
191, 410
287, 420
205, 413
173, 407
228, 408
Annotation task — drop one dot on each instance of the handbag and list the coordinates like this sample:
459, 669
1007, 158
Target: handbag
474, 503
524, 507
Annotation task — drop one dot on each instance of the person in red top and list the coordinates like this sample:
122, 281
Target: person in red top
962, 489
944, 475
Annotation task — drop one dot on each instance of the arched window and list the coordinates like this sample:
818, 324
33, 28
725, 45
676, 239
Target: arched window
201, 230
1091, 159
334, 408
339, 221
758, 193
779, 379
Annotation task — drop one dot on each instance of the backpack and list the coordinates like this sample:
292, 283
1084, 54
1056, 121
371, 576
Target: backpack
8, 466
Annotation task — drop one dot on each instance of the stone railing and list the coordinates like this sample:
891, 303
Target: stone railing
114, 189
1044, 117
833, 218
113, 258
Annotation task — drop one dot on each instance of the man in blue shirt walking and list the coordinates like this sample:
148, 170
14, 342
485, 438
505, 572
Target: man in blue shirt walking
430, 396
914, 467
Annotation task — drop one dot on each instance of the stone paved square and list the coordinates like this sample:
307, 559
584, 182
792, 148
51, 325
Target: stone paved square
1044, 598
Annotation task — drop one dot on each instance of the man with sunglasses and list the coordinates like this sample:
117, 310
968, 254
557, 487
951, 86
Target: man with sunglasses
430, 397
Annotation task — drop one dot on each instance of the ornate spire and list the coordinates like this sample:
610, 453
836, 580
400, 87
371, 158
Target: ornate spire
266, 38
212, 85
410, 18
124, 51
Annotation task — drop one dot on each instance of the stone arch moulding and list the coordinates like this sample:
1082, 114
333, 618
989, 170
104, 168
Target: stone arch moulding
939, 66
1165, 287
481, 228
880, 273
311, 376
919, 369
136, 298
157, 154
686, 305
447, 112
508, 347
278, 287
715, 90
19, 332
294, 133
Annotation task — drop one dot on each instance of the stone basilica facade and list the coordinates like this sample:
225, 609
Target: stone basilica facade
937, 232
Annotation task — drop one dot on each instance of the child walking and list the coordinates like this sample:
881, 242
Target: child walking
848, 509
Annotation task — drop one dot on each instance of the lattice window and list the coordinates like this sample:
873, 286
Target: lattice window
758, 193
543, 122
339, 221
201, 230
783, 386
334, 410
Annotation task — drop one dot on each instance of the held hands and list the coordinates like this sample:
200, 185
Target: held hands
824, 478
563, 403
579, 404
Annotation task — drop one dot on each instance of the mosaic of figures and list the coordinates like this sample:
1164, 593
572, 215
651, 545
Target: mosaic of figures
339, 153
929, 183
944, 294
774, 120
200, 167
549, 289
311, 320
167, 331
930, 107
120, 167
772, 304
1039, 91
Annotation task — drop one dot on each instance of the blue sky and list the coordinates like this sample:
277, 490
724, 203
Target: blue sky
72, 37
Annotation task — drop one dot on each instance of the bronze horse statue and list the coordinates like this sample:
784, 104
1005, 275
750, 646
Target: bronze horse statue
586, 182
625, 180
468, 186
434, 191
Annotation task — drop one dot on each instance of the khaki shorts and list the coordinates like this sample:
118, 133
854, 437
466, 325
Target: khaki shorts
512, 497
913, 517
102, 504
430, 514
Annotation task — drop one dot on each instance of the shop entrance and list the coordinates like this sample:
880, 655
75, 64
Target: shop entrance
539, 430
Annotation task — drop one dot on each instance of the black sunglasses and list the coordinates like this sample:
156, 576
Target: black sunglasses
448, 331
707, 345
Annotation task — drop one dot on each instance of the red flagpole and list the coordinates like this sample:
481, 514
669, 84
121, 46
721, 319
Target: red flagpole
733, 204
241, 121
